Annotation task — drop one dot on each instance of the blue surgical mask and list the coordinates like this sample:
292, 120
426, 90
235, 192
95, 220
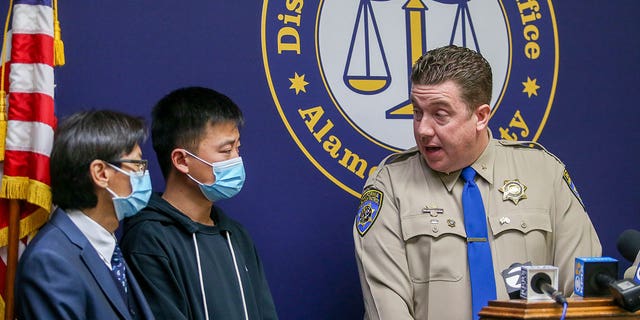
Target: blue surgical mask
140, 193
229, 177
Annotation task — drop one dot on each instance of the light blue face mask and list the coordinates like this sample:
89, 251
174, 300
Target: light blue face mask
140, 193
229, 177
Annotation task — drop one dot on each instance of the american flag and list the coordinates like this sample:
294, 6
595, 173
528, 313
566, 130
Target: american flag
29, 119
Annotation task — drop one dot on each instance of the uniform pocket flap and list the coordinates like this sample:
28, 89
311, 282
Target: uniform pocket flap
426, 225
524, 220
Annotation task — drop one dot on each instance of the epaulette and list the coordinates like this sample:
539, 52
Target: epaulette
522, 144
396, 157
392, 158
530, 145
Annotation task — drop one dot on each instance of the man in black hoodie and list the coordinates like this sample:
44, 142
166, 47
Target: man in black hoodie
191, 260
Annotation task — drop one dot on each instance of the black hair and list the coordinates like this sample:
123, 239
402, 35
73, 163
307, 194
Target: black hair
81, 138
180, 119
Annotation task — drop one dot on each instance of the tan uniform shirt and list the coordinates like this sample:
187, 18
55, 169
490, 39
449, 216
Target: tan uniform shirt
410, 238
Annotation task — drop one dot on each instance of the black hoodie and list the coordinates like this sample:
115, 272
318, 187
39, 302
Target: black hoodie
164, 248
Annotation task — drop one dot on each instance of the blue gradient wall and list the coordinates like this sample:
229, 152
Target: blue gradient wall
127, 56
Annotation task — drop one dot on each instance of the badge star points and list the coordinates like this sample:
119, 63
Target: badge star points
530, 87
298, 83
513, 190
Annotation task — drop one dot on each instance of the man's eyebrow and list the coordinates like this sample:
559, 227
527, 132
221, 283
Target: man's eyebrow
227, 142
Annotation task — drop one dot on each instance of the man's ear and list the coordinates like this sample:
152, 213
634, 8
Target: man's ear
99, 173
179, 160
483, 114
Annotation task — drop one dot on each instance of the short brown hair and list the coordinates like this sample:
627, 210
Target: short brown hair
467, 68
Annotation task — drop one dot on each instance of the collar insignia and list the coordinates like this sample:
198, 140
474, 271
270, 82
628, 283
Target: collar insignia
513, 190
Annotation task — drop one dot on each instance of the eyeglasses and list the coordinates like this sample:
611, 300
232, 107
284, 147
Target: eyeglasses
139, 165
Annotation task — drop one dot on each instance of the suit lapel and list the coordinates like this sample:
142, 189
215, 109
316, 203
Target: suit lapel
92, 260
104, 279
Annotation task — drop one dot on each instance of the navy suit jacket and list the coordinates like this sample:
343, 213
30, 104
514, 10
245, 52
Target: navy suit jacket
61, 276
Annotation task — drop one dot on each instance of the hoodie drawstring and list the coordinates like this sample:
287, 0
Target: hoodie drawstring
235, 264
204, 296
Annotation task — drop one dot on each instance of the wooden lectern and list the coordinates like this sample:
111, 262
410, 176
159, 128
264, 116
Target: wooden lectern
579, 308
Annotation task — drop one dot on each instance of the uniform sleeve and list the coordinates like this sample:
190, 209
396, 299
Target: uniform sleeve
154, 274
381, 255
48, 288
574, 234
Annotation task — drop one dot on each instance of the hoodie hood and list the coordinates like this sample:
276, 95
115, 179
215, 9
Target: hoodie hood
162, 211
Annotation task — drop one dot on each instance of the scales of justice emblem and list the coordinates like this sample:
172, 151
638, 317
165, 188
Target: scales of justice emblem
339, 71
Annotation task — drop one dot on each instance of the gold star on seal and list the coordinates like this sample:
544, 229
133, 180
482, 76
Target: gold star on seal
513, 190
531, 87
298, 83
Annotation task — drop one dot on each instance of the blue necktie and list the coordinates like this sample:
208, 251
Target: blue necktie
118, 269
483, 286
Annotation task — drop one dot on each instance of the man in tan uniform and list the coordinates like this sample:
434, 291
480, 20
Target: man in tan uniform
409, 234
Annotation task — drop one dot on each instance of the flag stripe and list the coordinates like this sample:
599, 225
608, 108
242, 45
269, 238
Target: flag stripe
32, 107
32, 48
34, 77
27, 169
28, 136
32, 18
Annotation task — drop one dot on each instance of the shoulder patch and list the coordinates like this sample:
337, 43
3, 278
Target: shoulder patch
572, 187
369, 209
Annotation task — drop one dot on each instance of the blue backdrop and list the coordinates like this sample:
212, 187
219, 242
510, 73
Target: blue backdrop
127, 56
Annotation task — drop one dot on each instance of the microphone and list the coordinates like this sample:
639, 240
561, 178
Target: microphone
596, 276
512, 277
540, 283
629, 247
629, 244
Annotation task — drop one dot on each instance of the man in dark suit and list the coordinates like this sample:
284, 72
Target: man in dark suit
73, 268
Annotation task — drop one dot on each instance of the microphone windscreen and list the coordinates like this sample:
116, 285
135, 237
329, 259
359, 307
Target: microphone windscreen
629, 244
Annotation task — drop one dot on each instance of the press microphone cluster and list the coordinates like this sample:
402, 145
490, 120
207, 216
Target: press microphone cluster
596, 276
